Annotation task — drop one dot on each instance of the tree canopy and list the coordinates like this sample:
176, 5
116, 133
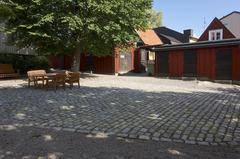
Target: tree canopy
155, 19
68, 26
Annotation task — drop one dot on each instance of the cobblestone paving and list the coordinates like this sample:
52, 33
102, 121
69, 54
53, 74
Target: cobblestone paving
147, 108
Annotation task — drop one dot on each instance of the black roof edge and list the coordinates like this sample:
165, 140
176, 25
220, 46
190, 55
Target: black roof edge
168, 29
202, 44
230, 14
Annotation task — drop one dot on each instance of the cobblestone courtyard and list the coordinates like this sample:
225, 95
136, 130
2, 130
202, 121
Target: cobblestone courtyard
146, 108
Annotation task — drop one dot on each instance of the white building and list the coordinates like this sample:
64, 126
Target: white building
4, 48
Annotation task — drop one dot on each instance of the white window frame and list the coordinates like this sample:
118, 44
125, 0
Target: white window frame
214, 32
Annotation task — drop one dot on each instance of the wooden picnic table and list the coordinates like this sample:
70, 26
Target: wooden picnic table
49, 75
45, 78
55, 80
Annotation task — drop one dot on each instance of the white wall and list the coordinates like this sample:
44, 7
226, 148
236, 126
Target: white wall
232, 22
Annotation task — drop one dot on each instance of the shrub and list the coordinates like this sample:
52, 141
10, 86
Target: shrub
24, 63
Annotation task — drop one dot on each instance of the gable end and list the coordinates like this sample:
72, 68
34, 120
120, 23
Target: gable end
214, 25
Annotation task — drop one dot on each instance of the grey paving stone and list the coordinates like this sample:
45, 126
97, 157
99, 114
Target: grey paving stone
165, 139
122, 135
83, 131
136, 107
190, 142
203, 143
144, 130
133, 136
214, 144
144, 137
178, 141
69, 129
199, 139
155, 138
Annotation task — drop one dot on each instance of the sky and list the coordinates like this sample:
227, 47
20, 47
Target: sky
190, 14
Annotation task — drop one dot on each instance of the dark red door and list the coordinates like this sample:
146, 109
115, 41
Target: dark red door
190, 63
224, 64
163, 64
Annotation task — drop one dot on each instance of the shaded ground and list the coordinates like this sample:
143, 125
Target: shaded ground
187, 114
31, 143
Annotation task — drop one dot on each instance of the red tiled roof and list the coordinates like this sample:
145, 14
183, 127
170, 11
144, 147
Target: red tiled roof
149, 37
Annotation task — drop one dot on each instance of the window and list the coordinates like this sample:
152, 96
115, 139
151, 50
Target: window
218, 36
215, 34
151, 56
143, 55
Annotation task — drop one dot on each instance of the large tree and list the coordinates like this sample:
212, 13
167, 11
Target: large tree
155, 19
74, 26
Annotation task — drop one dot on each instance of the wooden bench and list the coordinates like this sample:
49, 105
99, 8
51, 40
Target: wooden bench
6, 71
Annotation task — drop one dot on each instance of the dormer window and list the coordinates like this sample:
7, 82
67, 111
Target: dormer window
215, 35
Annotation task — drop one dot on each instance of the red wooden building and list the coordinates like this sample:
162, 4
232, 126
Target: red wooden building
216, 55
118, 62
216, 28
159, 36
208, 60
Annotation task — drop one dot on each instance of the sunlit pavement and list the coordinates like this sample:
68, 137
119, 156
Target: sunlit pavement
147, 108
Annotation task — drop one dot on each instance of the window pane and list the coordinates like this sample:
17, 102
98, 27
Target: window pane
213, 36
218, 37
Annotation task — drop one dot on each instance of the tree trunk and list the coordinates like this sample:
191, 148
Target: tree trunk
76, 61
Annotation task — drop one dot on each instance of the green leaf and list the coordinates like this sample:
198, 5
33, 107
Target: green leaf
62, 26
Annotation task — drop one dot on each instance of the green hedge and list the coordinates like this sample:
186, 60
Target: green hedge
24, 63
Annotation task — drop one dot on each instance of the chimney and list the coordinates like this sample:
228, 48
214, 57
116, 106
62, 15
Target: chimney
188, 32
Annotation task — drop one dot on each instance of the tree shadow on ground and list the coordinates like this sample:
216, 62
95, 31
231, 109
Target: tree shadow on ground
34, 143
133, 74
89, 76
118, 111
